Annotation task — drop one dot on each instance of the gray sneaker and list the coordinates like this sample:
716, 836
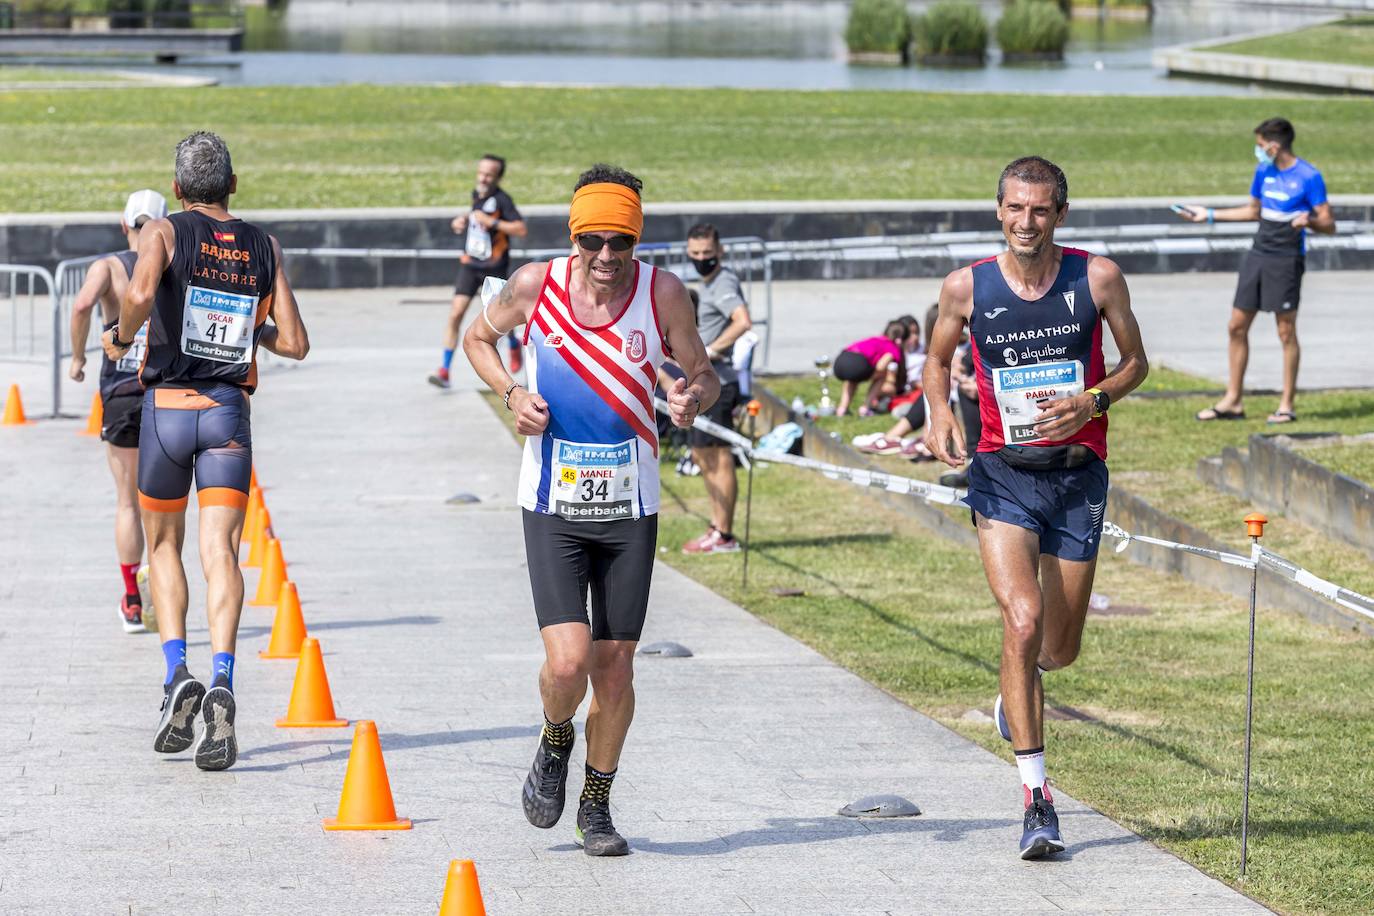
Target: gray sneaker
546, 785
181, 700
217, 748
595, 832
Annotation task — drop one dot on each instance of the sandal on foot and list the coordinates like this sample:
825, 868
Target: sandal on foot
1281, 416
1213, 413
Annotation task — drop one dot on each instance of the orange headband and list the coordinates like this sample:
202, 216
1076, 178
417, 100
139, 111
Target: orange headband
605, 207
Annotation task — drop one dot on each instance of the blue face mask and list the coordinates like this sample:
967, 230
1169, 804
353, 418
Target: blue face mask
1263, 157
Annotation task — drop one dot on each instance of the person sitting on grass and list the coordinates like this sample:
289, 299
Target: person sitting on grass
910, 406
876, 360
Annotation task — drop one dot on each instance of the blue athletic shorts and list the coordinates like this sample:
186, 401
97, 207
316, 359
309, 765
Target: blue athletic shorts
203, 432
1065, 506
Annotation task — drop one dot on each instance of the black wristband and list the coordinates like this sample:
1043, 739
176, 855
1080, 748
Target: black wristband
123, 345
509, 388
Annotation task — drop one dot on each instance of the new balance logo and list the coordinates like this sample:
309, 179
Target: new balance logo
994, 313
1068, 299
554, 340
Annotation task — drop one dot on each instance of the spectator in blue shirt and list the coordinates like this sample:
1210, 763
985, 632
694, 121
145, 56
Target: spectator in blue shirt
1288, 197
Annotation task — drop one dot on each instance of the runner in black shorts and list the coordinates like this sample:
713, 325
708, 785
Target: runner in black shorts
121, 394
206, 283
487, 228
1038, 481
597, 327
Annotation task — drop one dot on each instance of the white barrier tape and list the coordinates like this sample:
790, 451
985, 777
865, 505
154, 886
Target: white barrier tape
1125, 537
1346, 598
864, 477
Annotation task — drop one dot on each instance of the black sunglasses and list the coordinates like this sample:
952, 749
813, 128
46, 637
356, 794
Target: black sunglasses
596, 242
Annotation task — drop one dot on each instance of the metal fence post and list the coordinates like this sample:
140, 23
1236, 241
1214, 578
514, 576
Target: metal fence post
1254, 526
753, 407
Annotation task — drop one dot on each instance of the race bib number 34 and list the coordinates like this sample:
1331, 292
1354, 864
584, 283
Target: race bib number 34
218, 326
1022, 391
595, 483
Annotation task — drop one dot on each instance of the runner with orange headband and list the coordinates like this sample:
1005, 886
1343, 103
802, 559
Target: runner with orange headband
597, 326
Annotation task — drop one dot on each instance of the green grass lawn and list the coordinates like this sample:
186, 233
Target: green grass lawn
1155, 445
415, 146
1348, 42
1353, 459
1159, 699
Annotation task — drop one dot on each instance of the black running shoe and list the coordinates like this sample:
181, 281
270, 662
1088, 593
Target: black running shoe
1040, 836
181, 701
595, 832
217, 748
546, 787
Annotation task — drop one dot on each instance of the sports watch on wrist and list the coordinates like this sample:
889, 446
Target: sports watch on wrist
1101, 401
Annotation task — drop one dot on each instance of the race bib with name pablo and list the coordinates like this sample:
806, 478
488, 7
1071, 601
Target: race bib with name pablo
595, 483
133, 357
218, 326
1021, 392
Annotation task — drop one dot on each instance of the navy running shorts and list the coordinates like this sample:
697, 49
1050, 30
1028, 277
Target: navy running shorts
202, 431
614, 561
1064, 506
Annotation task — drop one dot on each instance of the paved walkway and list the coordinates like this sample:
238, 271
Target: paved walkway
730, 783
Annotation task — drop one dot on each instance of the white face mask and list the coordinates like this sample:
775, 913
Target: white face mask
1263, 156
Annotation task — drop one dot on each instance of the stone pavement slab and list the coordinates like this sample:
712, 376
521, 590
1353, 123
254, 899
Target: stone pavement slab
730, 782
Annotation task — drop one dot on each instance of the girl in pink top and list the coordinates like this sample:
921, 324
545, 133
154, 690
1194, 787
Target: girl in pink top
876, 358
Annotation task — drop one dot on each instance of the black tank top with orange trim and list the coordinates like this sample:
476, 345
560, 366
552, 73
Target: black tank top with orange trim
120, 376
211, 306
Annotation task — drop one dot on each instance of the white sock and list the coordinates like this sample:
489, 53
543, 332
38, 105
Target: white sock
1031, 764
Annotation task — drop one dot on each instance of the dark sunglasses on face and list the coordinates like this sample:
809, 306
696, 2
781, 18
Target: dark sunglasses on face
596, 242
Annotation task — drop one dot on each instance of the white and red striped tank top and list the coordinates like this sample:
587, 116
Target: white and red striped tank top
598, 458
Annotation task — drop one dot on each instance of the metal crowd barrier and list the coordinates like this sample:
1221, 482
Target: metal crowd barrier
20, 297
69, 275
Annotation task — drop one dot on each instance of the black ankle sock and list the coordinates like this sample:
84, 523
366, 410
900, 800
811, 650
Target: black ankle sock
558, 735
597, 788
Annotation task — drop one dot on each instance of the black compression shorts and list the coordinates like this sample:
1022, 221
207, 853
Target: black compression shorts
120, 418
204, 431
612, 560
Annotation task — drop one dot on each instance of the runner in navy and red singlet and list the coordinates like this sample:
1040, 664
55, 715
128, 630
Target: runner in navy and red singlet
121, 393
207, 283
597, 327
1038, 482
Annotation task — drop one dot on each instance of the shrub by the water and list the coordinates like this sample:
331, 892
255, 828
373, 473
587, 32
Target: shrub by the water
1033, 27
952, 29
878, 26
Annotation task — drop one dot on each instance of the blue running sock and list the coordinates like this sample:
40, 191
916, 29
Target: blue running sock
223, 667
174, 651
448, 358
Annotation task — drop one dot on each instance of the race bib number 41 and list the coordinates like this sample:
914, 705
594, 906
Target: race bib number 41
1022, 391
218, 326
595, 483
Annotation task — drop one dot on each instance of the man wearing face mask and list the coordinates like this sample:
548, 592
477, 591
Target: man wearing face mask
722, 317
487, 229
1288, 197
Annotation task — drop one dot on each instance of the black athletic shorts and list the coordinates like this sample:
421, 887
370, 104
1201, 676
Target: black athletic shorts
1269, 282
204, 432
614, 560
121, 415
721, 412
470, 278
852, 367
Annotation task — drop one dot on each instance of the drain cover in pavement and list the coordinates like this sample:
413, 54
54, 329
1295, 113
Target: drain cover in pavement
880, 806
666, 650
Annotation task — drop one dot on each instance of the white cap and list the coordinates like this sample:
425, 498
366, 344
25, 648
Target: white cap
146, 203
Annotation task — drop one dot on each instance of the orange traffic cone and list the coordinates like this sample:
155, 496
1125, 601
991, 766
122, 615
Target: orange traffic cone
14, 409
97, 417
251, 518
253, 478
462, 895
366, 801
257, 550
273, 575
288, 629
311, 705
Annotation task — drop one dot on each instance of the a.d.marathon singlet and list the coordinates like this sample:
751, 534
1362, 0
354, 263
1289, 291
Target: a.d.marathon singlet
212, 303
598, 458
1029, 353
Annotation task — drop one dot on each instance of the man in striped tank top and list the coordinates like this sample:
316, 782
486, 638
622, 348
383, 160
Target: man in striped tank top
598, 325
121, 393
1038, 481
